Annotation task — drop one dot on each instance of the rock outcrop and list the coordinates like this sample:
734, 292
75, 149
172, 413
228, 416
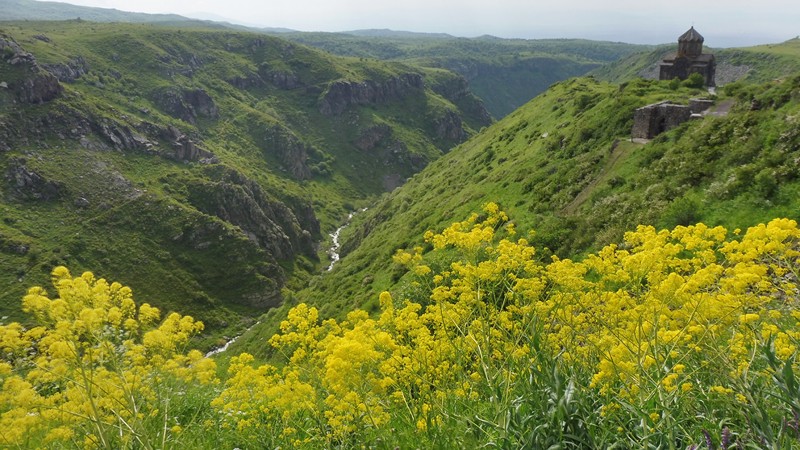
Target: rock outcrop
187, 151
282, 79
26, 184
181, 146
456, 90
289, 149
12, 246
5, 136
119, 136
372, 136
232, 197
186, 105
252, 80
342, 94
30, 83
69, 72
202, 103
449, 127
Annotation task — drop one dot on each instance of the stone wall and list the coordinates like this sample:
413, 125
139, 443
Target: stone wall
698, 105
652, 120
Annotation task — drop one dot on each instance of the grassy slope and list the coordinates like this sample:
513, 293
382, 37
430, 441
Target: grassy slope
571, 143
140, 227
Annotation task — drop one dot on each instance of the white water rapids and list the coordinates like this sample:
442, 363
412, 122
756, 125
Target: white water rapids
333, 252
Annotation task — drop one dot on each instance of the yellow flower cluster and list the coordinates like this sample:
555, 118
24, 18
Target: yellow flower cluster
92, 368
668, 297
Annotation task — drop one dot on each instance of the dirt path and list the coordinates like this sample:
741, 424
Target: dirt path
722, 108
613, 159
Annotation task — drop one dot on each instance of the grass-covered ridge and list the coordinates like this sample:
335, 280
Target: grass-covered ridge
200, 166
676, 338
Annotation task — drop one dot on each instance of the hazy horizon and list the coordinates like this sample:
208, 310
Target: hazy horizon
738, 23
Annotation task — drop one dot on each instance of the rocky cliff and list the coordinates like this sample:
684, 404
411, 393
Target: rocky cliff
341, 94
22, 75
229, 195
449, 127
186, 104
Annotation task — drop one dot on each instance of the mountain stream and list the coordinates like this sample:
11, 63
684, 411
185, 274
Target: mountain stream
333, 254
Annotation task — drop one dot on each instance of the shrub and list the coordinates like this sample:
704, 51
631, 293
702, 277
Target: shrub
695, 81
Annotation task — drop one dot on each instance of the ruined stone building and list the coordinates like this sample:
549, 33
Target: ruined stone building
651, 120
688, 60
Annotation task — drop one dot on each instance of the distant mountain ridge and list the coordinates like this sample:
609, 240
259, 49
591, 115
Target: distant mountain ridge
43, 10
385, 32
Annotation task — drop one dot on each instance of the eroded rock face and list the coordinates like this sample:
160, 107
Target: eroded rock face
252, 80
342, 94
187, 105
290, 150
282, 79
69, 72
372, 136
25, 184
31, 83
457, 91
183, 147
119, 136
449, 127
5, 137
186, 150
202, 103
270, 223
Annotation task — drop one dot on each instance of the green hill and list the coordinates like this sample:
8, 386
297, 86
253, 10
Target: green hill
202, 167
564, 166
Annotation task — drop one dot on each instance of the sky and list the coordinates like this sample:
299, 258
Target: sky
726, 23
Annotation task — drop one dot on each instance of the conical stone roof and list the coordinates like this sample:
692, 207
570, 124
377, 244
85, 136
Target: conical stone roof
691, 36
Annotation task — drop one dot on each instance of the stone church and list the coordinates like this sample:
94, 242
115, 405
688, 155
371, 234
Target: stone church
689, 59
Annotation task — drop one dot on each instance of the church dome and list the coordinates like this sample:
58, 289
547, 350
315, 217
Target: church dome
691, 36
